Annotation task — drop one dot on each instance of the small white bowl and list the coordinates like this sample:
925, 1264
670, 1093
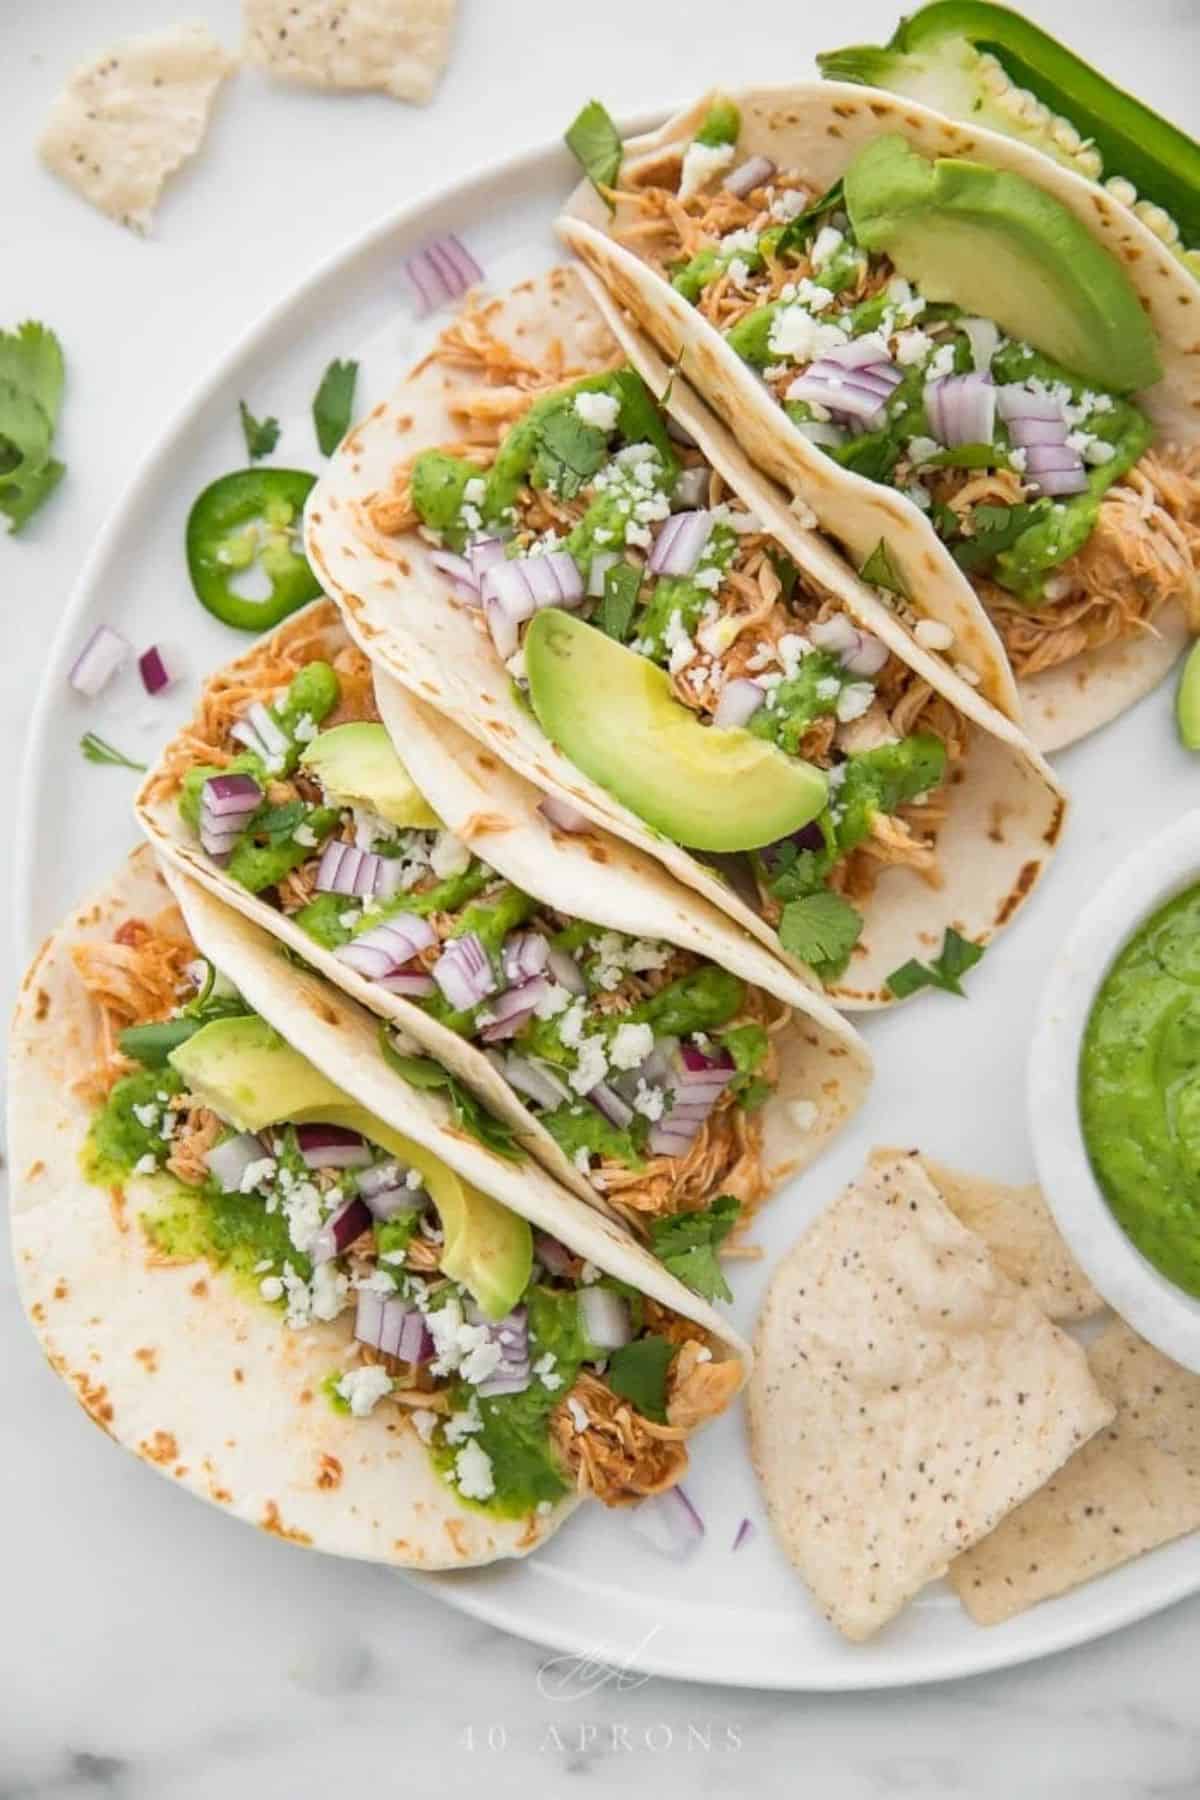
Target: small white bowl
1157, 1309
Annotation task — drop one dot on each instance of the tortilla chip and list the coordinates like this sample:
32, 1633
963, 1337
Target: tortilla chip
1134, 1487
1018, 1228
131, 117
907, 1396
398, 46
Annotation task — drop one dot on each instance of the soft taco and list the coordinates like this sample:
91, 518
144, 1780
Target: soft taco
979, 369
297, 1286
711, 680
655, 1058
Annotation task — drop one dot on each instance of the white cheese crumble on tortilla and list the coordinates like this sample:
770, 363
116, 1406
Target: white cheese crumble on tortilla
398, 46
362, 1389
129, 118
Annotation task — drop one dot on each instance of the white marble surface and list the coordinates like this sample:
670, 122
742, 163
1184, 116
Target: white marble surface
149, 1648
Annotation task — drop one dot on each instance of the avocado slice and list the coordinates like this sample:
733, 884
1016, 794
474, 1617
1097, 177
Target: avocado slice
357, 764
245, 1071
994, 243
613, 713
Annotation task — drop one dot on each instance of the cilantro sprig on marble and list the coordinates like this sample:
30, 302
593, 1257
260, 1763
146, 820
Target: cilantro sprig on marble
32, 374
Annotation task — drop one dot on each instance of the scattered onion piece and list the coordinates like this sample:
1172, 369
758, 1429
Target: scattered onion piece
98, 661
440, 271
152, 667
669, 1523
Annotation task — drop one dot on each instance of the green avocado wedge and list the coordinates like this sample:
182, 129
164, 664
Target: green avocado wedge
994, 243
613, 713
245, 1071
1187, 701
357, 763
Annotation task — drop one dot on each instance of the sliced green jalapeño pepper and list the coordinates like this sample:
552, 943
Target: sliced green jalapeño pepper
251, 519
928, 58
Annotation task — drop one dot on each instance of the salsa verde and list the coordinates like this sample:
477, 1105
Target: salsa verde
1139, 1089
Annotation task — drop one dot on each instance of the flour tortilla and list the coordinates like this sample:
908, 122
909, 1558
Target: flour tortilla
1005, 811
1134, 1486
906, 1396
398, 46
825, 1067
820, 127
1019, 1230
130, 117
171, 1360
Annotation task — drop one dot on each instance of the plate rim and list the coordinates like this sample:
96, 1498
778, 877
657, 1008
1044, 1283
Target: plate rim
1153, 1594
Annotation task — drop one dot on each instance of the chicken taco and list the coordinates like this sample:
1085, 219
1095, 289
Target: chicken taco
979, 369
296, 1285
608, 596
656, 1059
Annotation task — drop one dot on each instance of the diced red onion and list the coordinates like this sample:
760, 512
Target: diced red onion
506, 607
218, 844
244, 733
340, 1231
1062, 481
512, 1009
410, 984
98, 661
566, 971
416, 1341
523, 955
665, 1142
740, 700
464, 972
868, 351
332, 1147
1016, 401
691, 489
153, 670
697, 1062
562, 815
679, 435
855, 390
615, 1110
534, 1081
551, 1254
388, 947
680, 543
273, 737
511, 1334
983, 335
368, 1318
961, 409
229, 1161
378, 1177
1026, 433
462, 576
484, 553
669, 1523
837, 633
1041, 459
389, 1201
439, 271
605, 1318
230, 796
746, 1531
749, 175
868, 656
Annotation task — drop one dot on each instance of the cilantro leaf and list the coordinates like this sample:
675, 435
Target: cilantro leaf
97, 751
31, 358
797, 231
25, 432
615, 613
787, 572
261, 435
821, 929
595, 142
569, 453
469, 1113
19, 502
881, 571
638, 1372
333, 405
686, 1245
993, 529
958, 954
277, 823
